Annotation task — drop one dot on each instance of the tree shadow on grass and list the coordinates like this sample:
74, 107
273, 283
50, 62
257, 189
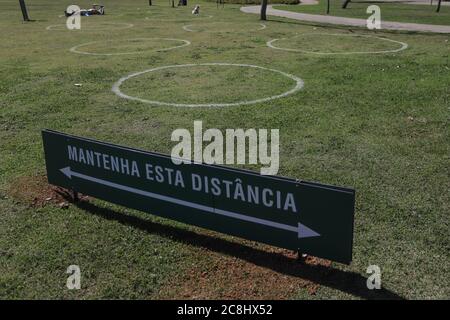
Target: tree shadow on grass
35, 20
348, 28
345, 281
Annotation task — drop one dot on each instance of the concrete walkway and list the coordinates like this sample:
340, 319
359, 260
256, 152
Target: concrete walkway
308, 2
403, 26
422, 2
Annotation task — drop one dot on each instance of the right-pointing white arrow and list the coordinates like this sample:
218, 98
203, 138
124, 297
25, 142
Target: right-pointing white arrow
305, 232
301, 230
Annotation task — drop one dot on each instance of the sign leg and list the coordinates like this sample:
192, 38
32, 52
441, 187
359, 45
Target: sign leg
75, 196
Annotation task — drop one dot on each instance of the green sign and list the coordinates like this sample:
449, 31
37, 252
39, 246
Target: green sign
313, 218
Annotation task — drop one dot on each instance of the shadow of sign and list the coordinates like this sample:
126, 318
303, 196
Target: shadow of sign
345, 281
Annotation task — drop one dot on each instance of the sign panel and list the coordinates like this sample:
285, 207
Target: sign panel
313, 218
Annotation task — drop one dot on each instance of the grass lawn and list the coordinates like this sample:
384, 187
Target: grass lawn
375, 122
389, 11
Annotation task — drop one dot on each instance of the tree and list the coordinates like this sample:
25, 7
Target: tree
23, 7
345, 4
222, 2
263, 10
328, 6
438, 6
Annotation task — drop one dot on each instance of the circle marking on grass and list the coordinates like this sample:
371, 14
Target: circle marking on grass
63, 27
180, 19
188, 28
76, 49
403, 45
298, 86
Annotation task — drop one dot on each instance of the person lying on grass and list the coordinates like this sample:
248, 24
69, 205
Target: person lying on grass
95, 10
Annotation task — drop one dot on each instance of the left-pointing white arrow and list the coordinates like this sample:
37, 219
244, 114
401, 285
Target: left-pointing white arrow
301, 230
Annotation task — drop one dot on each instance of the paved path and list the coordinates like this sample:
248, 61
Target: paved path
308, 2
421, 2
348, 21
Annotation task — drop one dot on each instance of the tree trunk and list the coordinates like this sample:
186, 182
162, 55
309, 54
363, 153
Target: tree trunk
263, 10
345, 4
328, 6
23, 7
438, 6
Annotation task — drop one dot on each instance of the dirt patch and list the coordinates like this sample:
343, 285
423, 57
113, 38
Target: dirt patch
227, 277
36, 192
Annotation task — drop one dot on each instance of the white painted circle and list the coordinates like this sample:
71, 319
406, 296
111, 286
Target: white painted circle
188, 28
63, 27
403, 45
180, 19
76, 49
298, 86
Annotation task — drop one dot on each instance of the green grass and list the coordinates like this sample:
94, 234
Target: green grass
378, 123
389, 11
